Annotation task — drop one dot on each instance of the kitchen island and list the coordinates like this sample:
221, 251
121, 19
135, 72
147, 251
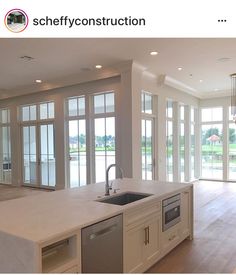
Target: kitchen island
31, 227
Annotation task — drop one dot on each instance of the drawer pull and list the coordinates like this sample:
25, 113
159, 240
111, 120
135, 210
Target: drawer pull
146, 235
172, 238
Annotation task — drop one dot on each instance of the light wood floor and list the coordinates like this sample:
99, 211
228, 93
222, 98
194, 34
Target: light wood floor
11, 192
213, 249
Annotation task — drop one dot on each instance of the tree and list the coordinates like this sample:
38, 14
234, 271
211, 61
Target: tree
82, 139
232, 135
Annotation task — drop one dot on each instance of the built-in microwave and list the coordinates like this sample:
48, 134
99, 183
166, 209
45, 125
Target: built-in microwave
170, 212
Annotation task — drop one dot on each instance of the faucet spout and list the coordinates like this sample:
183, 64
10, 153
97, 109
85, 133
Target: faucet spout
107, 186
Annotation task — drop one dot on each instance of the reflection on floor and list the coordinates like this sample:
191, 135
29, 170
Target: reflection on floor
213, 249
11, 192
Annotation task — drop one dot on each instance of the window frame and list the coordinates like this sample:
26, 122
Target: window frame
37, 123
147, 116
6, 124
169, 119
94, 116
212, 123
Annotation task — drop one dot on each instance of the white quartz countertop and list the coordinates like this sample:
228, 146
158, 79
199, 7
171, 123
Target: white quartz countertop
41, 217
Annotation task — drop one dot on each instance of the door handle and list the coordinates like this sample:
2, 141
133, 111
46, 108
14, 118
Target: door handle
103, 232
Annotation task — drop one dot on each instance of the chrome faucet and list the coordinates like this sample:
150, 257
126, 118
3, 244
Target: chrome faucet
107, 186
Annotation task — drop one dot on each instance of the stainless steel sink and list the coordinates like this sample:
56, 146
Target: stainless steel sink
124, 198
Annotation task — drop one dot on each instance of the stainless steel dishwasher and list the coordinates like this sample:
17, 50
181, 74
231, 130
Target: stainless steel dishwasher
102, 246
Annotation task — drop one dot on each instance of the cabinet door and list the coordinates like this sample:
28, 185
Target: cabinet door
152, 245
185, 215
133, 249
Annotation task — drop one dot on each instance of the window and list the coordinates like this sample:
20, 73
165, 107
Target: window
169, 140
231, 148
5, 146
38, 144
146, 103
193, 141
212, 114
46, 110
77, 141
182, 142
104, 134
212, 143
147, 136
99, 116
76, 106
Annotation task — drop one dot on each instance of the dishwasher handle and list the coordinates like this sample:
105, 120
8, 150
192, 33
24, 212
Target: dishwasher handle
102, 232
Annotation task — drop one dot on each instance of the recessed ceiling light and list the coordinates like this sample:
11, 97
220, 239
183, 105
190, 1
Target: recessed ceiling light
154, 53
200, 80
216, 90
180, 68
98, 66
38, 81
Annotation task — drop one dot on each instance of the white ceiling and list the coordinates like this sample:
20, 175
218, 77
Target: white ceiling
60, 58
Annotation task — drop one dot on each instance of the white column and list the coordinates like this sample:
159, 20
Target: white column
155, 136
161, 136
16, 148
198, 142
136, 121
124, 124
60, 141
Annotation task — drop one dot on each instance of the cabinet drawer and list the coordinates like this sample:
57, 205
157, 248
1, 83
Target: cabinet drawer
134, 216
171, 237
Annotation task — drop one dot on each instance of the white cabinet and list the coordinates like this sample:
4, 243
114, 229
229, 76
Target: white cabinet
177, 233
170, 238
151, 247
186, 214
133, 249
142, 238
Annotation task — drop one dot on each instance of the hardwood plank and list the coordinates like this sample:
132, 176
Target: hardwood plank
8, 192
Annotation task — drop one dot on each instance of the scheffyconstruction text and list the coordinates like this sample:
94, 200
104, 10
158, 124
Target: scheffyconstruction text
101, 21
